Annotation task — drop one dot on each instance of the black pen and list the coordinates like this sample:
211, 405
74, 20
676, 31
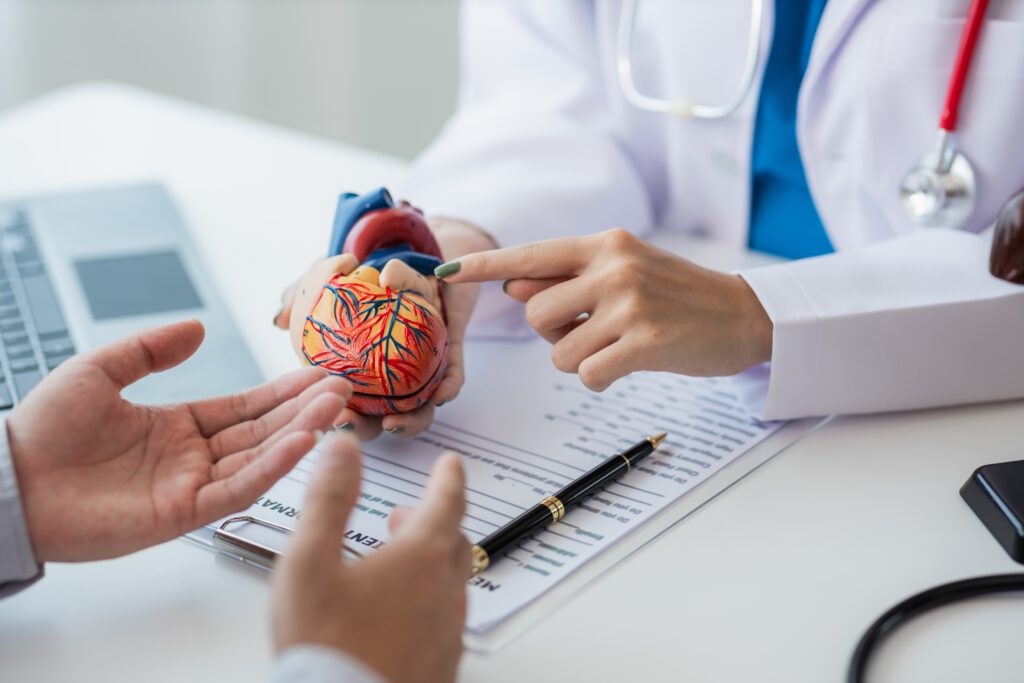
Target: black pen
552, 508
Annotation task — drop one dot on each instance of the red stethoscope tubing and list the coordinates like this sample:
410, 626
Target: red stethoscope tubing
964, 55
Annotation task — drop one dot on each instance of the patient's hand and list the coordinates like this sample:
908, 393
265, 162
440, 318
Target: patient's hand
400, 610
100, 476
456, 238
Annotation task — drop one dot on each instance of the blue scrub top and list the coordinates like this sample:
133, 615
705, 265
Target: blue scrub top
783, 219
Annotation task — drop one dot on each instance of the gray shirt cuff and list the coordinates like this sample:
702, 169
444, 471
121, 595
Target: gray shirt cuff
18, 566
321, 664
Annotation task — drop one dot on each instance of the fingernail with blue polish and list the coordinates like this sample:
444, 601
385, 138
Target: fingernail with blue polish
396, 430
446, 269
344, 427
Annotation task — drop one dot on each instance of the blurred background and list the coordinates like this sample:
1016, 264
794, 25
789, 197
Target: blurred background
380, 74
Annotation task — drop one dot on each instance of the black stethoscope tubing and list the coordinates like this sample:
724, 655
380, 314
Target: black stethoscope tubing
918, 604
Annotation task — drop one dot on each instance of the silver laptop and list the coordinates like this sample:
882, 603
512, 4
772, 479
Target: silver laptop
82, 269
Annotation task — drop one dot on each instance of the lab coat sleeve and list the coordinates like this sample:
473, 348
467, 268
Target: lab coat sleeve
18, 566
913, 322
320, 664
533, 150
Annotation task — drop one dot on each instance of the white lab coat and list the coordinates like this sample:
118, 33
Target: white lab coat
544, 144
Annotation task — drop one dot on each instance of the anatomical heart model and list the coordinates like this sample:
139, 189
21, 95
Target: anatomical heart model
392, 345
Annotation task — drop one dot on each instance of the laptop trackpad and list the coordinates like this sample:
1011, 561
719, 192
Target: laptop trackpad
140, 284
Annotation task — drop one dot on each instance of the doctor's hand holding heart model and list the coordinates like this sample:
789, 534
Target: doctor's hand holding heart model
873, 142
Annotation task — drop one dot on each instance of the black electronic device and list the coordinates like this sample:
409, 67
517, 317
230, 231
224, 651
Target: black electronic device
996, 494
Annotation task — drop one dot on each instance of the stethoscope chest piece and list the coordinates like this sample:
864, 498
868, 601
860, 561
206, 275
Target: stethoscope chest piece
940, 190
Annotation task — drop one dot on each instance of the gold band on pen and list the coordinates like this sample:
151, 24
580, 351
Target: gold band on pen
555, 506
628, 466
481, 560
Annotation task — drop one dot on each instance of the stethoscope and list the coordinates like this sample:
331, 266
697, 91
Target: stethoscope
939, 190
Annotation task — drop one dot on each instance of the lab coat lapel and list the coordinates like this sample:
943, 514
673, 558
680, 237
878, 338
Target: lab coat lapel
837, 21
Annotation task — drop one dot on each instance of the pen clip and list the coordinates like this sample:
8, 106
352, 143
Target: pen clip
249, 550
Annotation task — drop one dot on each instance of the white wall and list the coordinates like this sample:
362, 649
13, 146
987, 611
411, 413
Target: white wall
379, 73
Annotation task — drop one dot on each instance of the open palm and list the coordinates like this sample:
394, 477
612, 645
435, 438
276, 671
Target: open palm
101, 476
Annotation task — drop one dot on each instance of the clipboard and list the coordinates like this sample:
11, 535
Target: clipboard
228, 539
259, 542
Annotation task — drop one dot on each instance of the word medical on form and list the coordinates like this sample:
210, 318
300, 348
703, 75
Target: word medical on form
524, 434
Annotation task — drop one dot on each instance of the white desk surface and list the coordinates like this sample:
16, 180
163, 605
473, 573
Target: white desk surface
773, 581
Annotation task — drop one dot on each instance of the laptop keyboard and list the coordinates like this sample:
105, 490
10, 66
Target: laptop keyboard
33, 332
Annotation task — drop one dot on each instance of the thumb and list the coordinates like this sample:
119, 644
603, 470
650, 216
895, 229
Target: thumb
160, 348
329, 501
398, 275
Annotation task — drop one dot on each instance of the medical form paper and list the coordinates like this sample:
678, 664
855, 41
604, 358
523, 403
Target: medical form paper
525, 430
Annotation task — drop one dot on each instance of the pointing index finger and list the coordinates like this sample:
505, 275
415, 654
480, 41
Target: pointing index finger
534, 260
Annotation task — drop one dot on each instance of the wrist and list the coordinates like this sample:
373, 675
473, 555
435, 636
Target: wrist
757, 327
303, 661
458, 237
